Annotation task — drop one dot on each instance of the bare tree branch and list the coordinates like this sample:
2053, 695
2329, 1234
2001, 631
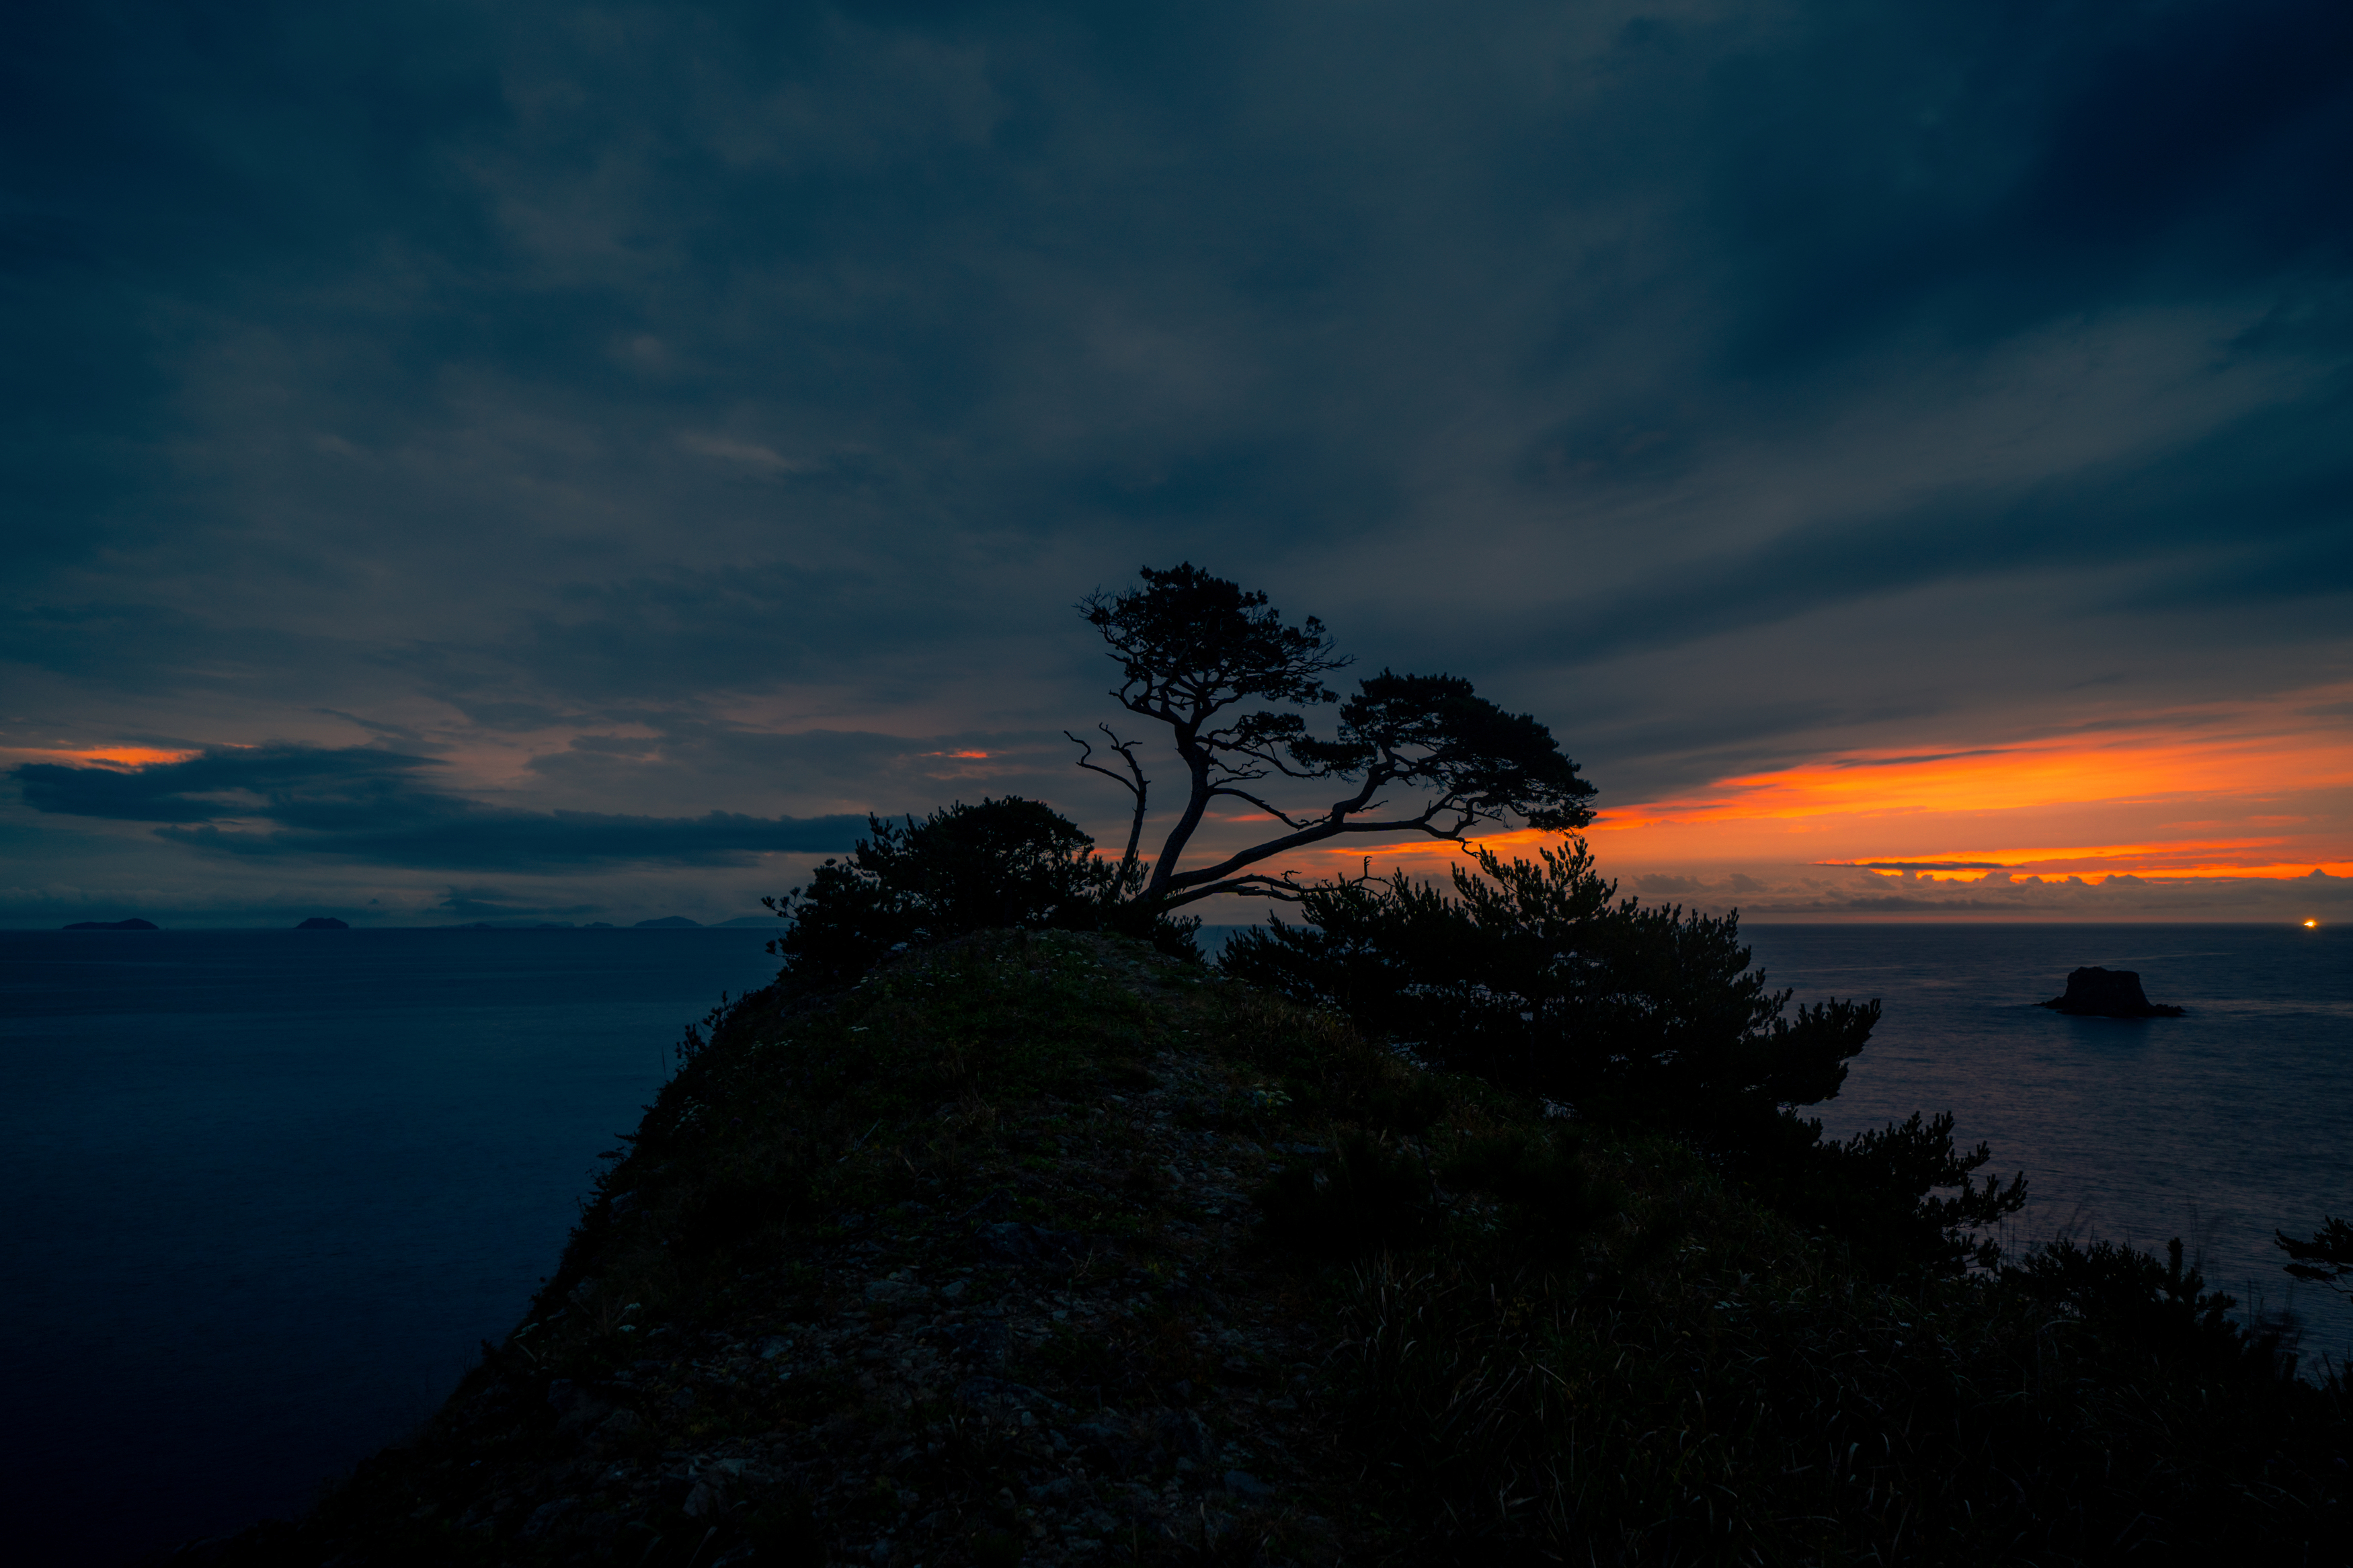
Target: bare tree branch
1267, 806
1282, 889
1135, 783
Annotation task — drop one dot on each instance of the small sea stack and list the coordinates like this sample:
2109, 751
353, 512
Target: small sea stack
324, 922
2096, 993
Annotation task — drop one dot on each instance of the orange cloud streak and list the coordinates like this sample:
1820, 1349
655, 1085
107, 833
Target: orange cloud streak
2154, 766
2199, 793
119, 756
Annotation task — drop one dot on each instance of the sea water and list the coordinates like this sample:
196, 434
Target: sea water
269, 1190
2219, 1127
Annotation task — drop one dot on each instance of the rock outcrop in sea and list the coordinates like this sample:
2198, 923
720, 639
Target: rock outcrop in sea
2096, 993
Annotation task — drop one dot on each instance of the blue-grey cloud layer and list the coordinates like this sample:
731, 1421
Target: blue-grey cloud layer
382, 807
1711, 379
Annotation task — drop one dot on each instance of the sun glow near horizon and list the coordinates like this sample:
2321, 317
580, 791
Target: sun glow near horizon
2198, 794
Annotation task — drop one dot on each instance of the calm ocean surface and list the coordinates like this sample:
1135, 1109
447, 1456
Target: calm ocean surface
2216, 1126
270, 1188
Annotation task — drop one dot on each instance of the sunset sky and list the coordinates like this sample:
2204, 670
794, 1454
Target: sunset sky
524, 462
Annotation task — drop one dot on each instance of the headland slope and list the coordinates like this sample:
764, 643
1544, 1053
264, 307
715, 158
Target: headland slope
1046, 1249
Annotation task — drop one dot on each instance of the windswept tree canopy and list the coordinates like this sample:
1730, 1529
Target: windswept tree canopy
1197, 653
1190, 645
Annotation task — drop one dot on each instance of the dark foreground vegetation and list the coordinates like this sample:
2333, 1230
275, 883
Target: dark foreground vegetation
1045, 1247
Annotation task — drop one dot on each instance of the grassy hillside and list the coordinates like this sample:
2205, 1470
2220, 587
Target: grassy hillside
1048, 1249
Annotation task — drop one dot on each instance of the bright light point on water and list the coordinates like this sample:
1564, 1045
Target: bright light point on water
2309, 925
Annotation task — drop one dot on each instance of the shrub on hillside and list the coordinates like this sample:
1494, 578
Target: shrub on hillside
2324, 1258
1002, 863
1879, 1189
1549, 1195
1534, 976
2143, 1308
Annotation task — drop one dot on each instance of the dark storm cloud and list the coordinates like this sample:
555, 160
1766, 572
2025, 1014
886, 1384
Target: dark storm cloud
484, 372
2282, 480
891, 205
359, 804
890, 774
809, 757
2018, 162
716, 630
210, 788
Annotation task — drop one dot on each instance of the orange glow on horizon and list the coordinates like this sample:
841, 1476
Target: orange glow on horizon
2277, 872
2149, 863
2143, 769
2247, 793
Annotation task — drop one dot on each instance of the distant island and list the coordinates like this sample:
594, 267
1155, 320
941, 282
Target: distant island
2096, 993
668, 922
134, 923
324, 922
